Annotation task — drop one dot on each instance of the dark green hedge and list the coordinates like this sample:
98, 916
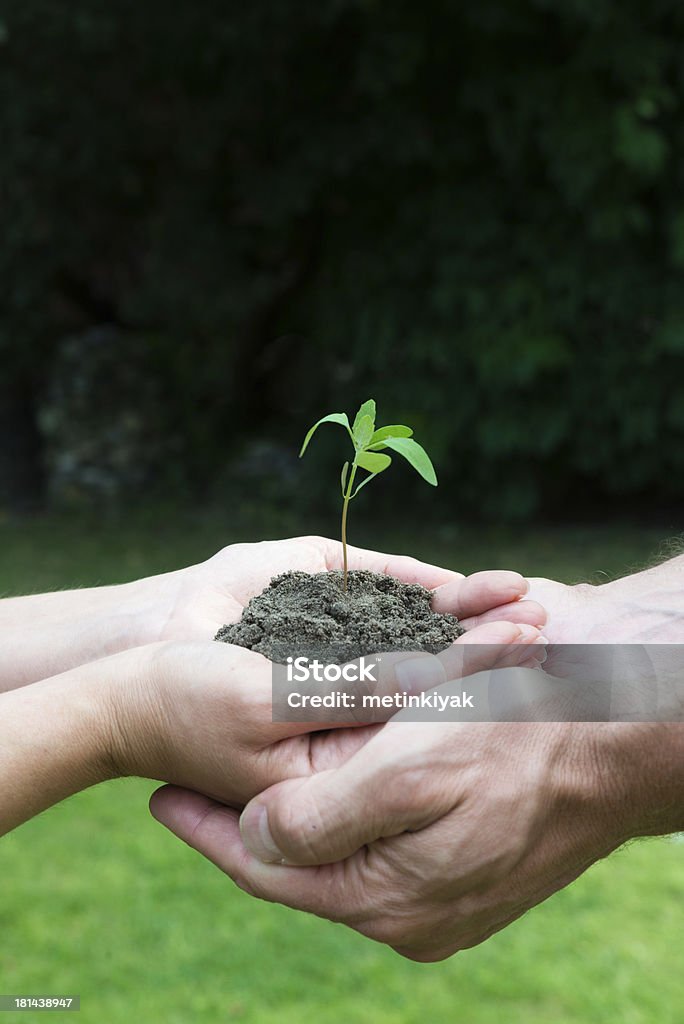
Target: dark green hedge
473, 212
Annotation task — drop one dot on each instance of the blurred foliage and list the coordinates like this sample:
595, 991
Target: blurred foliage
103, 419
473, 212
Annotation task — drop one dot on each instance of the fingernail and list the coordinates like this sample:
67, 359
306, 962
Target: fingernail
542, 654
526, 586
418, 674
256, 834
527, 632
542, 639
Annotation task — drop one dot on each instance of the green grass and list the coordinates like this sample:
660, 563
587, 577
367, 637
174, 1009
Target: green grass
98, 899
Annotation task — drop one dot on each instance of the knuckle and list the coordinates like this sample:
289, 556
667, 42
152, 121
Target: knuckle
394, 932
240, 880
426, 940
407, 938
385, 929
409, 562
250, 886
298, 829
401, 566
475, 937
438, 864
424, 956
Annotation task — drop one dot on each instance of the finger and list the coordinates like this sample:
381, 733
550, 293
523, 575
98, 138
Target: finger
242, 682
332, 748
530, 612
213, 830
492, 645
485, 647
182, 810
534, 656
380, 682
403, 567
476, 594
356, 694
384, 789
292, 823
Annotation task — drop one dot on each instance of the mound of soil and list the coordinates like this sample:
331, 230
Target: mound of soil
311, 615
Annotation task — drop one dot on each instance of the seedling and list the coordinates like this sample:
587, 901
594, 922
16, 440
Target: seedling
369, 445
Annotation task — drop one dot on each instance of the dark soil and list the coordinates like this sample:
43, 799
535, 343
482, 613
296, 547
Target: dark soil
310, 615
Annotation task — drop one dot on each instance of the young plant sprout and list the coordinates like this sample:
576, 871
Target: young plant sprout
369, 445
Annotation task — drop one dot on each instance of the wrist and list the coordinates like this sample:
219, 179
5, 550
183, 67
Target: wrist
590, 790
135, 712
573, 610
642, 769
647, 607
615, 781
54, 744
84, 719
140, 611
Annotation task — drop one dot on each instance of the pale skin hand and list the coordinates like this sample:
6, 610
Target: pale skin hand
46, 634
147, 708
432, 838
647, 607
533, 805
197, 714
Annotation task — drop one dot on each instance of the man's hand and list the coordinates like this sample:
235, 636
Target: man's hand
647, 607
431, 838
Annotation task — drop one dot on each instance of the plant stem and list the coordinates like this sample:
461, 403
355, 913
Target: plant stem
345, 506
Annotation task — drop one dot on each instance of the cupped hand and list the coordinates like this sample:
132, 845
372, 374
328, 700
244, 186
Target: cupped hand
428, 838
199, 714
198, 600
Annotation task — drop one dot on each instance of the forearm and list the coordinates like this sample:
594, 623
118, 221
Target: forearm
45, 634
54, 743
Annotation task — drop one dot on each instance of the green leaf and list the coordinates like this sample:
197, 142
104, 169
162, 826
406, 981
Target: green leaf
373, 462
363, 483
343, 477
333, 417
362, 431
367, 409
415, 455
395, 430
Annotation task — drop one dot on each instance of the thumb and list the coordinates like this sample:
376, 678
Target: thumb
314, 820
329, 816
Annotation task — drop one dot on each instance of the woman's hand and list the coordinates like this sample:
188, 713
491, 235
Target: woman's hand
197, 714
199, 600
46, 634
